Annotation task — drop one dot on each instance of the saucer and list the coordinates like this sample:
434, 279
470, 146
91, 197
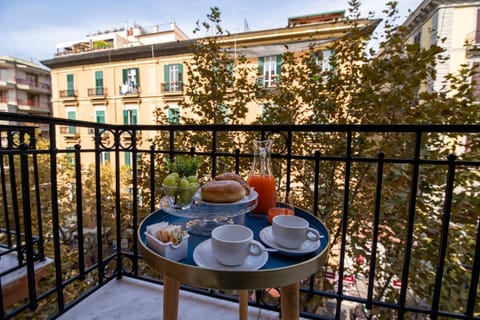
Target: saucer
307, 246
203, 257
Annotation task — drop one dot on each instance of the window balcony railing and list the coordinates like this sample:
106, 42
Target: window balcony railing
34, 84
70, 93
33, 103
401, 207
98, 92
172, 87
129, 90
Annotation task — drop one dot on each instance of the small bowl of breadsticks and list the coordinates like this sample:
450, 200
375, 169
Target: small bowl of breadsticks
167, 240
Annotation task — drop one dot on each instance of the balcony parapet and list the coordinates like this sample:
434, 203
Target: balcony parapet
97, 93
68, 94
172, 88
31, 85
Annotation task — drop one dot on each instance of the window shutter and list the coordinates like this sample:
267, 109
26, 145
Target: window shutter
230, 73
278, 68
166, 77
261, 79
99, 82
100, 115
70, 85
99, 79
125, 116
180, 73
124, 76
72, 115
137, 74
134, 117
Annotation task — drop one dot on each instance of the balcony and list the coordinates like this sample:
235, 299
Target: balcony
404, 225
129, 90
69, 94
33, 106
97, 93
172, 88
33, 86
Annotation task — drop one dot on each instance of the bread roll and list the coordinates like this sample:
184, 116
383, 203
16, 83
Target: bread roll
222, 191
234, 177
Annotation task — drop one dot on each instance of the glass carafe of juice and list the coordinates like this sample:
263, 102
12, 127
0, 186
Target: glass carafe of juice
261, 177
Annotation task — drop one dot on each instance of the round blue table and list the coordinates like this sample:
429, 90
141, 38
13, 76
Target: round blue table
284, 271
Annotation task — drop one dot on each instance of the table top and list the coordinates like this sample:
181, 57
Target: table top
280, 269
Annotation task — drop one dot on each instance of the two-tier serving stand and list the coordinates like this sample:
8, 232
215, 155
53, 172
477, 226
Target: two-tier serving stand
205, 216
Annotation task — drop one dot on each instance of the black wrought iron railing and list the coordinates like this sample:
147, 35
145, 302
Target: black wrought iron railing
400, 201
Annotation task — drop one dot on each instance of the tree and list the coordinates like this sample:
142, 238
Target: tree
385, 86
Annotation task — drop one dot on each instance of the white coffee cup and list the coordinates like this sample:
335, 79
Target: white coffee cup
291, 231
233, 243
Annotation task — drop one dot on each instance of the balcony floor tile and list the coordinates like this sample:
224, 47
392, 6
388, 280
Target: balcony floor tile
129, 298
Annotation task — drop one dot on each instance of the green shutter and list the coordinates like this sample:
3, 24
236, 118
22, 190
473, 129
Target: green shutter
100, 115
137, 73
261, 79
333, 59
124, 76
134, 117
99, 82
180, 73
166, 77
125, 116
70, 85
128, 155
278, 68
72, 115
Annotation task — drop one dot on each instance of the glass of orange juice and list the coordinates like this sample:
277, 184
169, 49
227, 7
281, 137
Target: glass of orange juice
285, 208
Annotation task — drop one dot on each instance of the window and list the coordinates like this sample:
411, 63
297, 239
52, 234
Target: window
33, 100
70, 86
100, 118
99, 83
130, 81
326, 63
129, 117
32, 79
72, 115
477, 32
417, 39
173, 77
3, 96
476, 80
3, 74
173, 113
269, 69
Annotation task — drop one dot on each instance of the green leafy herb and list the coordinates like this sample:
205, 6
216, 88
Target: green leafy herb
183, 165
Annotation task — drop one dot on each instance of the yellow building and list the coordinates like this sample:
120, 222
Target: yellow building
456, 21
122, 76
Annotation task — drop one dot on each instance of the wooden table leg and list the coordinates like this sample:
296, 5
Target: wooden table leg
243, 304
171, 288
290, 301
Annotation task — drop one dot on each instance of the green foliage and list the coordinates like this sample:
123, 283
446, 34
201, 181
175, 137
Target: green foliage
220, 85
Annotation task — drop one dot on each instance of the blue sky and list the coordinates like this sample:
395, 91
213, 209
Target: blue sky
31, 29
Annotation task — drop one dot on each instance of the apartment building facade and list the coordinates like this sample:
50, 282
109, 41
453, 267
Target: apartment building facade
24, 87
456, 21
141, 71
